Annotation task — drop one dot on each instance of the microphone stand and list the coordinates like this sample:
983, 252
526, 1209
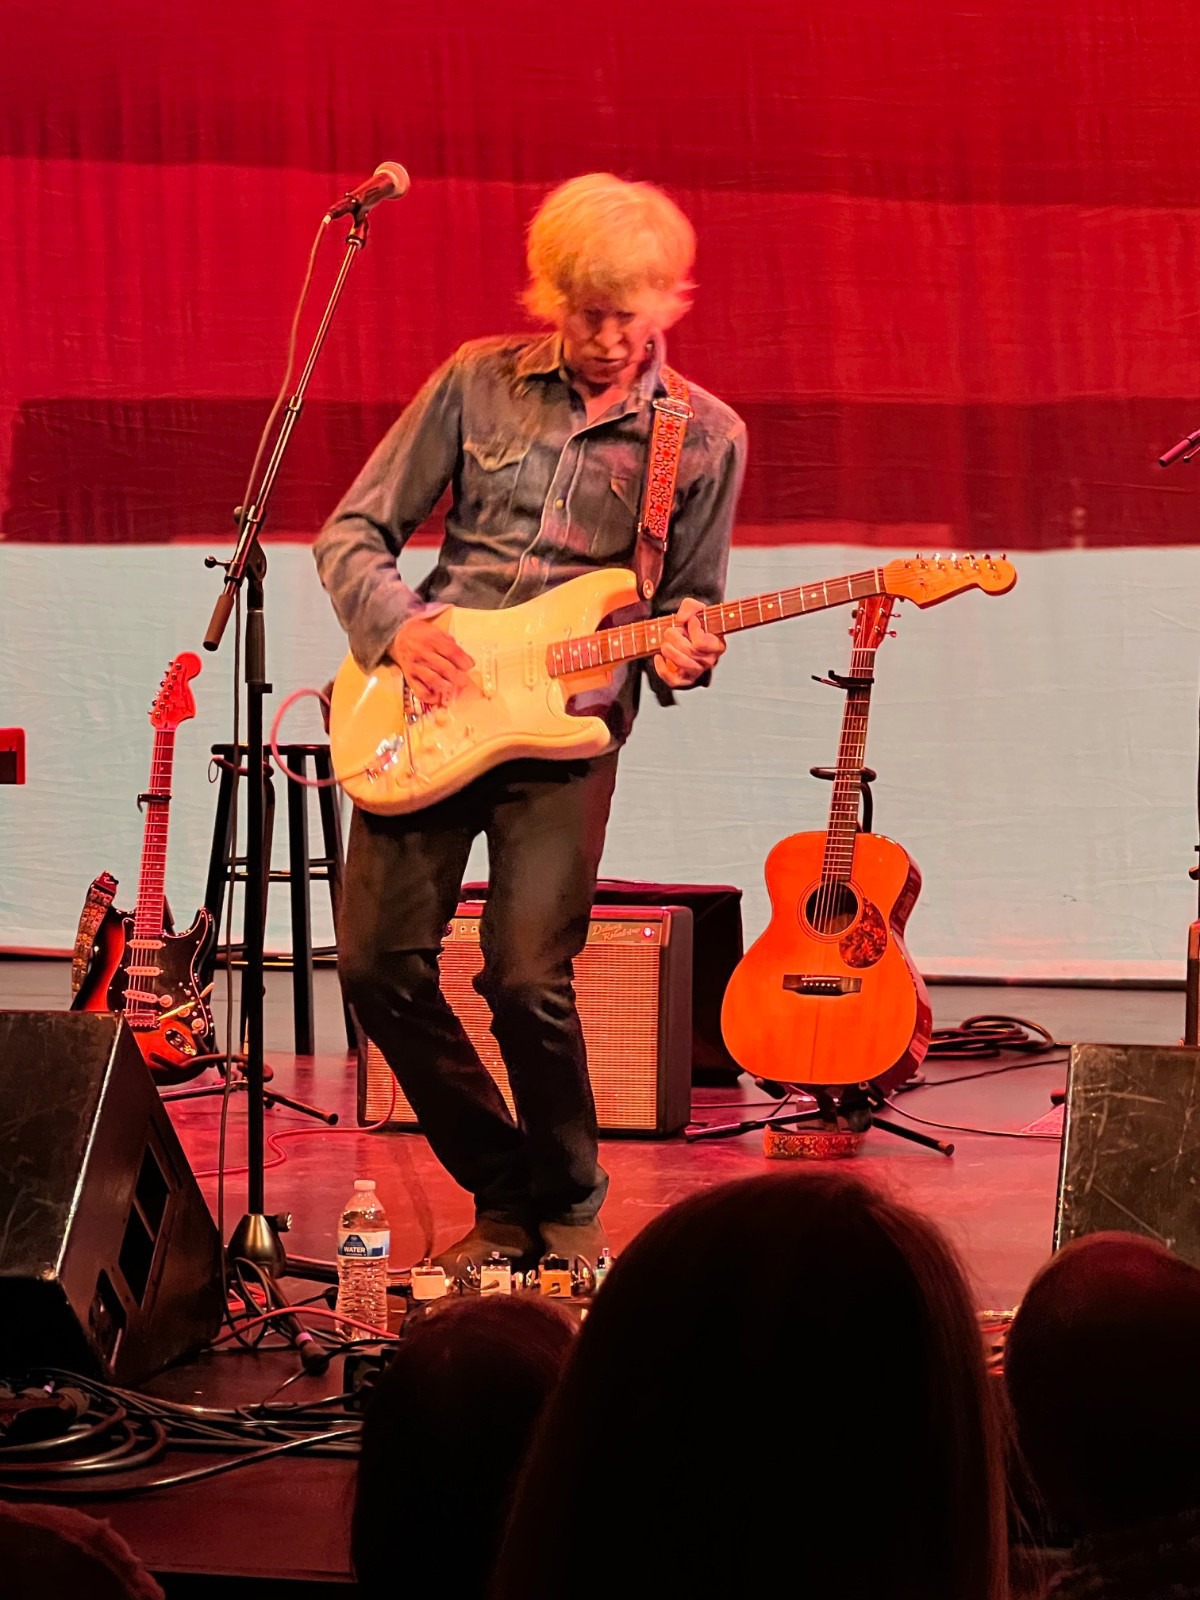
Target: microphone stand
1184, 451
256, 1237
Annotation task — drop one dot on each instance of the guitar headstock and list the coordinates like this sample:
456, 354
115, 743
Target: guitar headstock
871, 618
174, 702
927, 580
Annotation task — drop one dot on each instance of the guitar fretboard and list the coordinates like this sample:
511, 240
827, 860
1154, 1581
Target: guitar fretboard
148, 916
844, 808
635, 639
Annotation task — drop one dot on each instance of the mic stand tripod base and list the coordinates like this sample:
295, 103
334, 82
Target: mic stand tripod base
256, 1238
271, 1097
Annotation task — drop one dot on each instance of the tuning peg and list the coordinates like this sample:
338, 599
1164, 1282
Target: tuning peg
891, 633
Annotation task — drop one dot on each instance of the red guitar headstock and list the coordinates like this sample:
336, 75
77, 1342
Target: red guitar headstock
871, 618
174, 703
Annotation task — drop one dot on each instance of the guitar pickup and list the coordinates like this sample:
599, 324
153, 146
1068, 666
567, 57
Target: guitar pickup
487, 672
819, 984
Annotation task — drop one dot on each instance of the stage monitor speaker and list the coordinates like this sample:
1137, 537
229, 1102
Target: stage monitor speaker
1130, 1156
109, 1260
633, 981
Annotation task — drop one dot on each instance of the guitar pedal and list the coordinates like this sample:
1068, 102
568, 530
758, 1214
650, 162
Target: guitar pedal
555, 1278
496, 1276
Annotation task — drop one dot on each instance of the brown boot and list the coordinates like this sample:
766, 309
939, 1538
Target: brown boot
584, 1240
487, 1238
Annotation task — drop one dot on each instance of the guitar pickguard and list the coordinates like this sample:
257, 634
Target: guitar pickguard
167, 1014
866, 942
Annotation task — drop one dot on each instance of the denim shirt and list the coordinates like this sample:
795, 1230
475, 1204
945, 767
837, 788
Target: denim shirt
538, 495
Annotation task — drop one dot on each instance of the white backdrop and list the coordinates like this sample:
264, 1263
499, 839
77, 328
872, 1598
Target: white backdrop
1036, 751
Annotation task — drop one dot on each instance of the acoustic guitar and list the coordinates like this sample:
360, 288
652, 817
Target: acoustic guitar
392, 754
131, 962
828, 993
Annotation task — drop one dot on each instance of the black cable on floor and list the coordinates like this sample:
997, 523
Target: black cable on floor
984, 1036
116, 1431
988, 1035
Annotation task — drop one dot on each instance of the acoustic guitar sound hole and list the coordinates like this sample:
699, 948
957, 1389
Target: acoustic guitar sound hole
831, 908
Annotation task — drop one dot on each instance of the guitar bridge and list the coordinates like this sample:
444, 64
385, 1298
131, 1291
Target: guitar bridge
819, 984
386, 754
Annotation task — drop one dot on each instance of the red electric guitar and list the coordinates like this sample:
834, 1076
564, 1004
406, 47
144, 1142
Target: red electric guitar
134, 964
828, 994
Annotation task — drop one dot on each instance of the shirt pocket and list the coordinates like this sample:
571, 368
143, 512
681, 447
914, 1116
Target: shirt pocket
490, 469
618, 523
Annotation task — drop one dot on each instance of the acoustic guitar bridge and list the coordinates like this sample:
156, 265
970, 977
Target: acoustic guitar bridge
819, 984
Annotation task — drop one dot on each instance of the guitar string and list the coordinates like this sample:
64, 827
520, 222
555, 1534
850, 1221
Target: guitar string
140, 1006
507, 656
854, 733
828, 892
782, 598
712, 617
734, 614
779, 600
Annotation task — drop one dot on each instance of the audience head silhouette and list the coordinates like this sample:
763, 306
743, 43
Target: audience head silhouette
781, 1384
49, 1550
1102, 1371
444, 1432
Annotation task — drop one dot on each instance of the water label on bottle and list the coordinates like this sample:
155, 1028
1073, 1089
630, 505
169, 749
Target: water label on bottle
364, 1246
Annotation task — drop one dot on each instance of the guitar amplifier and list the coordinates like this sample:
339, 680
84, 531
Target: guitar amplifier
633, 982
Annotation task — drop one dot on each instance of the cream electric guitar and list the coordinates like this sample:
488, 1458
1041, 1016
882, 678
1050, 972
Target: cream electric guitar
392, 754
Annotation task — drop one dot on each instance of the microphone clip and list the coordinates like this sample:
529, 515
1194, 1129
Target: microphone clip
1183, 451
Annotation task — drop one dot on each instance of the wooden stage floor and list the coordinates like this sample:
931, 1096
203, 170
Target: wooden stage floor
995, 1197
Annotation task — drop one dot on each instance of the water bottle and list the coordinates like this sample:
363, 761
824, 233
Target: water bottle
363, 1245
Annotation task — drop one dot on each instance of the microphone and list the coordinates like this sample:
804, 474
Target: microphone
1183, 449
388, 182
314, 1358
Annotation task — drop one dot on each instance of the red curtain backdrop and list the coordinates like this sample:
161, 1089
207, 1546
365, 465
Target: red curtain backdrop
947, 270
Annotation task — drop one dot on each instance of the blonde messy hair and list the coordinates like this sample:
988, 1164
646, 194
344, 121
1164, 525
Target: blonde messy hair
598, 237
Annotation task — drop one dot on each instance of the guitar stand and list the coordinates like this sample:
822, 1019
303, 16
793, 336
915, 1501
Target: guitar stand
856, 1109
866, 778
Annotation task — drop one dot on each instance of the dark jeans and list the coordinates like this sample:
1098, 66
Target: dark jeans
544, 822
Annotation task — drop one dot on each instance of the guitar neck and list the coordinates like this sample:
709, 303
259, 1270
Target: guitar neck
636, 639
151, 901
845, 806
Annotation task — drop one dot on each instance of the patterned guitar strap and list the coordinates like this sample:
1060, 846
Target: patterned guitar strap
99, 897
672, 412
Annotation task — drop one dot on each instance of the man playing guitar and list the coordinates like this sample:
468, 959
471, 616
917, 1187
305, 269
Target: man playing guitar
543, 441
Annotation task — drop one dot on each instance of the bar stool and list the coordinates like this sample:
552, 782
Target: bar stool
302, 869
